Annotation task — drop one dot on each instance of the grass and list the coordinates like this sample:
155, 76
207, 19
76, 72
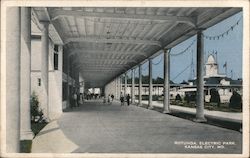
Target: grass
37, 127
224, 107
25, 145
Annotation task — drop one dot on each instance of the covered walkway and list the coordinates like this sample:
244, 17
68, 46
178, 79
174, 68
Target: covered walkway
95, 127
58, 53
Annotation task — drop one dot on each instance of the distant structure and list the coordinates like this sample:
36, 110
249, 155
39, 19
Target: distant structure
212, 81
211, 68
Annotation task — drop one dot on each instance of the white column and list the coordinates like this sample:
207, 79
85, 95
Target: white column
45, 64
199, 82
68, 78
26, 133
13, 80
133, 86
121, 85
140, 86
150, 99
125, 84
166, 102
116, 90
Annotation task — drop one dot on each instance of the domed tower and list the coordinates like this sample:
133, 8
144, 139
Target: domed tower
211, 67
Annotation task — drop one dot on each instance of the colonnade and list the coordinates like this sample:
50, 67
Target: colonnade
166, 90
18, 48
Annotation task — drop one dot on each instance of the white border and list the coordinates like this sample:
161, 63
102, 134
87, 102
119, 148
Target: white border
129, 3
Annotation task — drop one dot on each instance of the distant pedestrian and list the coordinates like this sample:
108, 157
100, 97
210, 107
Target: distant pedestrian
109, 99
112, 96
128, 99
122, 99
104, 99
78, 99
75, 100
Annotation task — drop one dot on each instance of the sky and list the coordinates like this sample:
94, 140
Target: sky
228, 48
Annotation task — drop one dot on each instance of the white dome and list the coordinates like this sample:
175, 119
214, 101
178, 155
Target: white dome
211, 60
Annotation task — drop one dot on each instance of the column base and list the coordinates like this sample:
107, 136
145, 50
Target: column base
27, 135
166, 112
150, 107
200, 120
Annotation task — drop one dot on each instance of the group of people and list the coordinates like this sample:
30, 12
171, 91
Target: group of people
77, 99
122, 99
110, 99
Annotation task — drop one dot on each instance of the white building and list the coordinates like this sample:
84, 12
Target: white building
212, 80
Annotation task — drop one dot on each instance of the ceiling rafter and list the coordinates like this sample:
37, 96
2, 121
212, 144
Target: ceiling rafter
105, 39
164, 31
69, 13
91, 60
82, 51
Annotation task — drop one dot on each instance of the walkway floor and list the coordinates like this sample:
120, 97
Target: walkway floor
95, 127
234, 116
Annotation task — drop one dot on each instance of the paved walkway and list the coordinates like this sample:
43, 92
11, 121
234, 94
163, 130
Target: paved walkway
233, 116
95, 127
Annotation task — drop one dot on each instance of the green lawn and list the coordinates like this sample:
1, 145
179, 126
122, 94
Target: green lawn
37, 127
25, 145
224, 107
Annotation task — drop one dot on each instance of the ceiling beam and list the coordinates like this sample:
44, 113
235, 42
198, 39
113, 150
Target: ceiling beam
102, 60
100, 71
83, 51
107, 39
54, 32
55, 14
104, 65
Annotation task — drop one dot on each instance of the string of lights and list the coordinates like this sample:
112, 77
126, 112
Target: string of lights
144, 68
157, 63
185, 50
181, 72
218, 36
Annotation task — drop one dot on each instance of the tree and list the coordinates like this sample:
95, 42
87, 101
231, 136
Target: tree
36, 112
178, 97
187, 98
145, 79
235, 101
158, 80
215, 97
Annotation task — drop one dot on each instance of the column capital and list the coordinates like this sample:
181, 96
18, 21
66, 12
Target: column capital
166, 50
150, 58
198, 29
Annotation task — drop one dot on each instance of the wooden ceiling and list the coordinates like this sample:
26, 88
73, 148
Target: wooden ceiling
105, 42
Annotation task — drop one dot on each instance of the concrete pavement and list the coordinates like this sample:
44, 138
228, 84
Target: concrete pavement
95, 127
234, 116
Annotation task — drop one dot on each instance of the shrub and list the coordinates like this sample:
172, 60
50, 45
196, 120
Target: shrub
36, 112
178, 97
187, 98
215, 97
235, 101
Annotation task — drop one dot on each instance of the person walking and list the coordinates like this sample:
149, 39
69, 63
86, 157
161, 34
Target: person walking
122, 99
109, 99
112, 97
75, 100
128, 99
